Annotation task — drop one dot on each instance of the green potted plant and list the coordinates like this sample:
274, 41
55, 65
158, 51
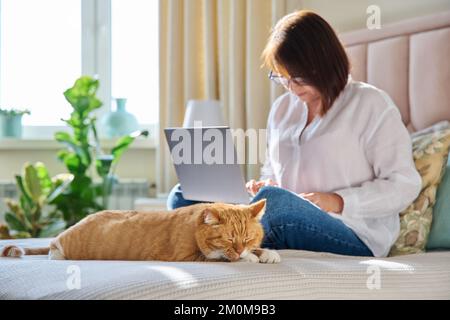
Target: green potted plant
83, 154
32, 215
11, 122
4, 232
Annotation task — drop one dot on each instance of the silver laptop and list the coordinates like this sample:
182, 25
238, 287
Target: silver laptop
206, 164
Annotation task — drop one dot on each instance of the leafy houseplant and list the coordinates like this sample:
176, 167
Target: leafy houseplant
28, 216
11, 122
83, 150
4, 232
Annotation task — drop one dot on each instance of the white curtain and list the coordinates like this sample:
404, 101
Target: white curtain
210, 49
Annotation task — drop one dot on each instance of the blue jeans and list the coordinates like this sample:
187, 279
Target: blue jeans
291, 222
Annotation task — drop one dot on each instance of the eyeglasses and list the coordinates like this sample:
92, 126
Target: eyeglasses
285, 82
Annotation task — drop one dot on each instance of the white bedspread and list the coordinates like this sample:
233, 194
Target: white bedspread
300, 275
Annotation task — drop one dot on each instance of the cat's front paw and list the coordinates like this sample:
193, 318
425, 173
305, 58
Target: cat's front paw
269, 256
250, 257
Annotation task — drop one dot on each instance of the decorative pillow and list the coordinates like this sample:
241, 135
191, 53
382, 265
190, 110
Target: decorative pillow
430, 153
440, 228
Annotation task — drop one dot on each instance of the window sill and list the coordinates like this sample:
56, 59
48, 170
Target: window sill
41, 138
50, 144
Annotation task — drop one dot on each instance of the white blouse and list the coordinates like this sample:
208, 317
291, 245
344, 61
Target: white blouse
360, 150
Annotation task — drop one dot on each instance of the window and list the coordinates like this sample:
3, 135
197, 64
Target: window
46, 44
40, 57
135, 67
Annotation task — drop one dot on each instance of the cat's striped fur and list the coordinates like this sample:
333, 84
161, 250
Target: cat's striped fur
201, 232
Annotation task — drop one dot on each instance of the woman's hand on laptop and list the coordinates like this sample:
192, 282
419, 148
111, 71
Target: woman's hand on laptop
253, 186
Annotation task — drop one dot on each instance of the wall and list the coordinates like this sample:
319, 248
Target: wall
138, 163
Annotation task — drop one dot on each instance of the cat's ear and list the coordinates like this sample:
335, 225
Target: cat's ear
210, 216
257, 209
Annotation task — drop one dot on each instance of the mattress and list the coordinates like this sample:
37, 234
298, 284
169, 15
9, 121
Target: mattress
300, 275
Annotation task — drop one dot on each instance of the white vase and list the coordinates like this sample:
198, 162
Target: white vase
120, 122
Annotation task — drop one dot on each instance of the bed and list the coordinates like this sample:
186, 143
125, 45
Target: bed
409, 60
300, 275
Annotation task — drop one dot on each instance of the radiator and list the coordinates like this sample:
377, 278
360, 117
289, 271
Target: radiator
123, 197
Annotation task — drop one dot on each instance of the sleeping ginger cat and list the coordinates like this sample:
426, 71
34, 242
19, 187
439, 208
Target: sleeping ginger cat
201, 232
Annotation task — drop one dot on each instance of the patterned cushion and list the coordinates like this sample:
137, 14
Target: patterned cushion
430, 153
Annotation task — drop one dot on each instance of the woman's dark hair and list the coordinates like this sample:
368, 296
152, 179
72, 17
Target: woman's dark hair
303, 44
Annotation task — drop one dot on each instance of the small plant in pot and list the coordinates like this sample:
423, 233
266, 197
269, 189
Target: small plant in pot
11, 122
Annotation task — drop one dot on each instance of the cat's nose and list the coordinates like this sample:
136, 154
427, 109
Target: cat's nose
239, 249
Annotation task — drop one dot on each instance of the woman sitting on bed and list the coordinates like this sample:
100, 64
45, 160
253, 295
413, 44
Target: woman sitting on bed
340, 168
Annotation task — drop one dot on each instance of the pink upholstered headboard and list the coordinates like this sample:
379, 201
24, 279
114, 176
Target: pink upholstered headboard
410, 60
